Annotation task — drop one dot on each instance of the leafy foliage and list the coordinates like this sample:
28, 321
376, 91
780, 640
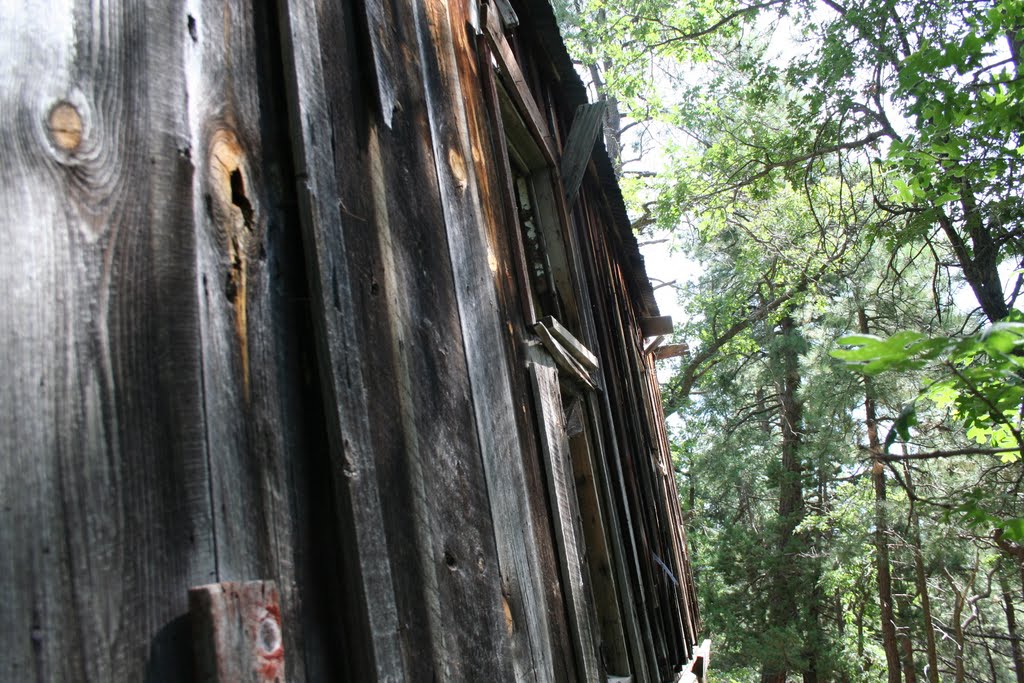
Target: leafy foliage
837, 167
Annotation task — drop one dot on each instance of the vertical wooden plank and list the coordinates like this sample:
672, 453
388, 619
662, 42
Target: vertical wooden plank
237, 632
600, 271
373, 619
387, 229
594, 523
462, 166
619, 558
457, 565
515, 313
380, 30
248, 271
106, 511
562, 493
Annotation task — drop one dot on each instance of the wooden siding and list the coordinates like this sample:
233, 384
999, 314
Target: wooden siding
267, 322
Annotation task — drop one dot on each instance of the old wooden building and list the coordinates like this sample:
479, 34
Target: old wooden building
330, 312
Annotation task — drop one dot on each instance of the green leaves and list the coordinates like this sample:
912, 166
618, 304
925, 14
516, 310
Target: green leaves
902, 351
980, 379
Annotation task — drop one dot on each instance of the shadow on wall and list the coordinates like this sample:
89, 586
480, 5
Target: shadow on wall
170, 653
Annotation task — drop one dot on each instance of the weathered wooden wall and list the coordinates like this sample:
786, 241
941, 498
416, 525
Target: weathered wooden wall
266, 319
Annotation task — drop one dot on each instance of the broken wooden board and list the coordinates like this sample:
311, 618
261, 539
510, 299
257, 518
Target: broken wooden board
580, 352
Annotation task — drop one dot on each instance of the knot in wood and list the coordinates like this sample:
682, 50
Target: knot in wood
457, 164
64, 124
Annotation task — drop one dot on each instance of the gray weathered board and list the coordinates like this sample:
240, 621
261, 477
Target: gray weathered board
579, 146
565, 508
141, 428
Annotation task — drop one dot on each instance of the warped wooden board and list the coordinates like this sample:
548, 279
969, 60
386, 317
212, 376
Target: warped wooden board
580, 352
587, 123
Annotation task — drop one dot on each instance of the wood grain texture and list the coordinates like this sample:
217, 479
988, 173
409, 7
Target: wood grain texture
459, 571
106, 512
174, 288
462, 161
565, 510
379, 24
404, 322
249, 277
371, 616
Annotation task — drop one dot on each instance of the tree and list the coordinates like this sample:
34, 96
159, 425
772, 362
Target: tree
807, 144
930, 92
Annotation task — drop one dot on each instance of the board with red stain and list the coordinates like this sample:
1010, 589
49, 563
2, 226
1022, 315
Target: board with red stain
237, 633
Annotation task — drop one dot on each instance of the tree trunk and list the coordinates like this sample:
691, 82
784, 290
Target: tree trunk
1011, 628
884, 577
907, 645
957, 626
978, 258
787, 582
860, 635
921, 579
612, 118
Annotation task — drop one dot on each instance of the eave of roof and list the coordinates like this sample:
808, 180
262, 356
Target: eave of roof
541, 20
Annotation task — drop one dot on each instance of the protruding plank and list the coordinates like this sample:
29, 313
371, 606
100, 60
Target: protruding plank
652, 327
237, 632
586, 124
562, 356
580, 352
509, 19
671, 351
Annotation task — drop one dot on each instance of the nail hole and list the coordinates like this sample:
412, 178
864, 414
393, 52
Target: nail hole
192, 31
450, 560
269, 635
